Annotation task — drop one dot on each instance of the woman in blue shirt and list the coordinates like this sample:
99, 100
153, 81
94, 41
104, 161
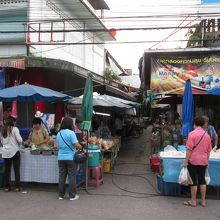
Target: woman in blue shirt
67, 143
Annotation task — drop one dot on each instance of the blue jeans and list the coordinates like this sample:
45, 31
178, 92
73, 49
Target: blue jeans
67, 167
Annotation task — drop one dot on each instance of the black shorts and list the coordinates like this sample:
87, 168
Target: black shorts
197, 173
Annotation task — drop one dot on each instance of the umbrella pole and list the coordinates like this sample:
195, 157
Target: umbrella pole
86, 170
27, 114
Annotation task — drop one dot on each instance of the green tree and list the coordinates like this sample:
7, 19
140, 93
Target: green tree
110, 75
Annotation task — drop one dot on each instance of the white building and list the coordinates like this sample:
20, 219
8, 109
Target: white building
52, 26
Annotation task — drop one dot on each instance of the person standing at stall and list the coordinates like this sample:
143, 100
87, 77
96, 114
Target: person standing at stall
11, 140
67, 144
177, 138
198, 151
212, 132
119, 126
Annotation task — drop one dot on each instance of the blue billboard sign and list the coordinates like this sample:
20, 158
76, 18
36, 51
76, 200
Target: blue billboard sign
211, 1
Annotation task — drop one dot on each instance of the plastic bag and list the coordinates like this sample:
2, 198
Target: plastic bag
207, 177
169, 148
184, 177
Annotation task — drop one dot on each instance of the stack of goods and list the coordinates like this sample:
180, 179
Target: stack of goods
215, 154
49, 149
102, 143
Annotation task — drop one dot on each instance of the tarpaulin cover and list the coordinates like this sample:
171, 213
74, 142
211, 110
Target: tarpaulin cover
172, 168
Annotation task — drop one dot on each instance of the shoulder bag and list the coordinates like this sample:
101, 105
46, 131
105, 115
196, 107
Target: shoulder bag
79, 156
199, 141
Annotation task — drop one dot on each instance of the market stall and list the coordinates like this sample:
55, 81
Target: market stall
41, 168
171, 164
35, 168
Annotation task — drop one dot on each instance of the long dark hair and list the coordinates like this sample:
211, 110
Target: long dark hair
67, 123
7, 128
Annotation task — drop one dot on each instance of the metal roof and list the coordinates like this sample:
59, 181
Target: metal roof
83, 11
99, 4
200, 49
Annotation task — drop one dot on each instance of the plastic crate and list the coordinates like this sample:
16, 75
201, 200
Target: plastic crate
79, 177
168, 189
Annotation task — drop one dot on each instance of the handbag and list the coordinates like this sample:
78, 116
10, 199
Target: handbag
79, 156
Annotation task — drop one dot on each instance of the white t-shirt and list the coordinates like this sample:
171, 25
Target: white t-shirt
11, 143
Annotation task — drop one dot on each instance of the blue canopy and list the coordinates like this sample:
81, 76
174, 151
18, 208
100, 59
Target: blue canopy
215, 91
187, 110
31, 93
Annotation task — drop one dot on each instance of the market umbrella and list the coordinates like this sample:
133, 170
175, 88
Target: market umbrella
87, 111
187, 110
87, 104
31, 93
215, 91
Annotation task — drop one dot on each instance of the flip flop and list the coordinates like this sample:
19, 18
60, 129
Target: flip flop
189, 203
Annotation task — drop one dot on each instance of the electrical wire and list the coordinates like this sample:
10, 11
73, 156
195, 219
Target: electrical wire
173, 32
117, 18
98, 30
103, 43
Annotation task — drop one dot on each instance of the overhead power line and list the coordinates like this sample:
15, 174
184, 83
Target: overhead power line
156, 16
174, 31
102, 43
98, 30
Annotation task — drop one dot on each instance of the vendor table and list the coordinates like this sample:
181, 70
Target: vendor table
38, 168
171, 169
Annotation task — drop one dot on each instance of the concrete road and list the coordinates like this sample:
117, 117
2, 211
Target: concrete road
109, 202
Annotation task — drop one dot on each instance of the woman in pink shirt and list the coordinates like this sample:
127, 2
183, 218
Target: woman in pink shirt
198, 151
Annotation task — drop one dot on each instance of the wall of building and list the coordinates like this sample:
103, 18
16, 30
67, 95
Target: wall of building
12, 10
90, 57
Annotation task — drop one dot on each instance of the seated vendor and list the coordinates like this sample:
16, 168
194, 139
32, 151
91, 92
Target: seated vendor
39, 135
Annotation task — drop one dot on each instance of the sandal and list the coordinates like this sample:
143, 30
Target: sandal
18, 189
203, 205
189, 203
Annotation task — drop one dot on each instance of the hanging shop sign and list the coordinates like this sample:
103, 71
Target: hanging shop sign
13, 63
169, 74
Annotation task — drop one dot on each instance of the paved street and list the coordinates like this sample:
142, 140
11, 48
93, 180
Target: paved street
108, 202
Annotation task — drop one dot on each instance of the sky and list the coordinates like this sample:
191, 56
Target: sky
128, 55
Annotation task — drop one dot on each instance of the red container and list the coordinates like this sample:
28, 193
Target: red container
155, 163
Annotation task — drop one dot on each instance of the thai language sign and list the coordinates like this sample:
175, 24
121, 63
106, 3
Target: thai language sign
169, 74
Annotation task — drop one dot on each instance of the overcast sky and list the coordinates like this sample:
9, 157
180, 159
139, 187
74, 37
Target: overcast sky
128, 54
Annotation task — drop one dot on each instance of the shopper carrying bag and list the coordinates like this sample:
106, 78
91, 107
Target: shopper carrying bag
67, 144
198, 151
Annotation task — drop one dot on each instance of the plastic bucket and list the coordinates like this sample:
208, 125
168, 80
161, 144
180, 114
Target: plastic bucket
93, 155
107, 166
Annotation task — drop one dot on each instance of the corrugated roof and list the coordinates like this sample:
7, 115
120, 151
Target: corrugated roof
99, 4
